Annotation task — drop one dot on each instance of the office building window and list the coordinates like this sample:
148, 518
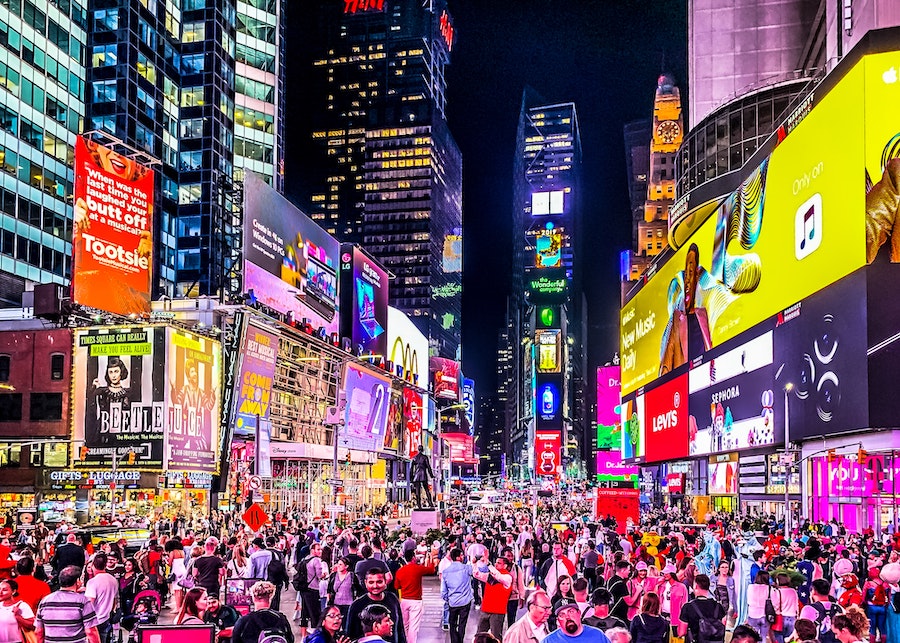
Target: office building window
103, 91
45, 407
104, 56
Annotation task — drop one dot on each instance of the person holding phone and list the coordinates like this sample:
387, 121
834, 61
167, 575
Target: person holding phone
329, 629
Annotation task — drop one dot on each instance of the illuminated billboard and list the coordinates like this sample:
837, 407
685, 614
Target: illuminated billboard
366, 414
112, 231
362, 6
290, 263
548, 317
548, 245
119, 392
407, 349
633, 443
193, 375
787, 232
611, 468
609, 422
549, 401
412, 416
549, 350
451, 258
462, 447
468, 400
732, 398
666, 421
445, 378
723, 475
547, 452
253, 389
364, 301
550, 202
546, 286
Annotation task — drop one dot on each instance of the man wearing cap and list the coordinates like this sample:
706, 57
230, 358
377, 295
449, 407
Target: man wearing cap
571, 629
672, 595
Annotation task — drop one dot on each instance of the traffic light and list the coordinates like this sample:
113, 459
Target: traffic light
83, 453
131, 457
831, 456
861, 456
348, 458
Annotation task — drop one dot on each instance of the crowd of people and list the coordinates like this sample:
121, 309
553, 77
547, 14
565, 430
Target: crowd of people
564, 578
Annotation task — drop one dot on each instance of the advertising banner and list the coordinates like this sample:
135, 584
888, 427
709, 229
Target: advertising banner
723, 480
462, 447
194, 375
675, 482
290, 263
666, 411
445, 378
732, 399
547, 452
408, 349
451, 257
609, 422
364, 300
633, 442
611, 467
113, 230
365, 418
794, 226
549, 401
820, 349
548, 244
546, 285
119, 393
549, 350
548, 317
256, 375
777, 471
393, 434
412, 414
468, 400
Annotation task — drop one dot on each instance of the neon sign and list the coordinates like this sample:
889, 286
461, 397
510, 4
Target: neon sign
447, 30
358, 6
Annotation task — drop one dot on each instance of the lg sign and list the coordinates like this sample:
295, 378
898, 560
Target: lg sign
667, 419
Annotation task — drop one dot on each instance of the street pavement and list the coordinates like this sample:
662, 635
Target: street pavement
429, 632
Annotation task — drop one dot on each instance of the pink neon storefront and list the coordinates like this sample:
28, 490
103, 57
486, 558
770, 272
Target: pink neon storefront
858, 495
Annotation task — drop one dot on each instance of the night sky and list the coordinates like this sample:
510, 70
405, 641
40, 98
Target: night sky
605, 56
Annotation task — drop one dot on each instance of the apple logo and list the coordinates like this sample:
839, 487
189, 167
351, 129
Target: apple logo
890, 76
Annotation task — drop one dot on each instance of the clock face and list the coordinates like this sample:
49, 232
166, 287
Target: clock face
668, 131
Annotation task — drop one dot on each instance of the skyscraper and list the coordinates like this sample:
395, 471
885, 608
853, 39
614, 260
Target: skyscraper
41, 113
389, 171
196, 84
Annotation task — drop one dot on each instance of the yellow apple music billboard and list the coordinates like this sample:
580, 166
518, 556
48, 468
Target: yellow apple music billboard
802, 219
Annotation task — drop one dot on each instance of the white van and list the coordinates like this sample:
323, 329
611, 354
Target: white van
485, 498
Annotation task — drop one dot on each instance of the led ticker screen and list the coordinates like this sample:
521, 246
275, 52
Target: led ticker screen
788, 231
113, 238
609, 423
290, 263
549, 350
551, 202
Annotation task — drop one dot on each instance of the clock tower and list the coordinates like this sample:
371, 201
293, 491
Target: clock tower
667, 135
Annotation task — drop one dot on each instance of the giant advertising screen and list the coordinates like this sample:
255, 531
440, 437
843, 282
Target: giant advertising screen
119, 393
113, 230
468, 400
193, 375
364, 299
547, 452
253, 395
445, 378
666, 426
366, 414
549, 350
611, 468
633, 439
462, 447
609, 423
549, 402
787, 232
413, 409
290, 263
407, 349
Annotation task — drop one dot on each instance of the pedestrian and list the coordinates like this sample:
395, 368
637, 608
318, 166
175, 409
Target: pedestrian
209, 569
343, 586
67, 616
376, 624
554, 568
329, 629
648, 626
571, 629
497, 588
456, 591
599, 615
16, 615
703, 613
409, 583
222, 617
103, 590
31, 590
308, 589
852, 626
262, 619
532, 627
193, 607
375, 595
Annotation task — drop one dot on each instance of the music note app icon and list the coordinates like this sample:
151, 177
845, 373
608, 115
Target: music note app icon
808, 227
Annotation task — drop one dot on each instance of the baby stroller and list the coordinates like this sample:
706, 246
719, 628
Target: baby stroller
144, 611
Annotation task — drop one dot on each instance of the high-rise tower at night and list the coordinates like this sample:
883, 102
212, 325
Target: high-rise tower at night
546, 313
197, 84
388, 170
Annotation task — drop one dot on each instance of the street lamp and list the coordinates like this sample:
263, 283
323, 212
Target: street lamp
788, 387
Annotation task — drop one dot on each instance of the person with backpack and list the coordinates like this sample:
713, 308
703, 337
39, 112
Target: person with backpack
875, 593
276, 572
308, 573
822, 610
648, 626
703, 616
263, 624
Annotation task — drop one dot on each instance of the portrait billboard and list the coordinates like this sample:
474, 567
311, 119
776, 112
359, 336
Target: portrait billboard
451, 257
366, 414
666, 412
549, 402
732, 398
785, 233
609, 422
112, 230
408, 349
549, 350
548, 244
413, 409
119, 393
290, 263
547, 452
633, 442
444, 378
723, 475
468, 400
194, 376
364, 299
253, 398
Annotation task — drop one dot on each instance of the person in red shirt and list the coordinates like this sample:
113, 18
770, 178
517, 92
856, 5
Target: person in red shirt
497, 589
31, 590
408, 582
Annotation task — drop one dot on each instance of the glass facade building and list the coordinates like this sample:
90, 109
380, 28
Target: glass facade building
41, 112
196, 84
389, 170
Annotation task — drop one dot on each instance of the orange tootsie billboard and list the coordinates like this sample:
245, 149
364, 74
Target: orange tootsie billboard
113, 240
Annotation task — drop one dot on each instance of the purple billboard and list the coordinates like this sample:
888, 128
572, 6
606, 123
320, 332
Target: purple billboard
609, 422
368, 396
253, 394
364, 295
